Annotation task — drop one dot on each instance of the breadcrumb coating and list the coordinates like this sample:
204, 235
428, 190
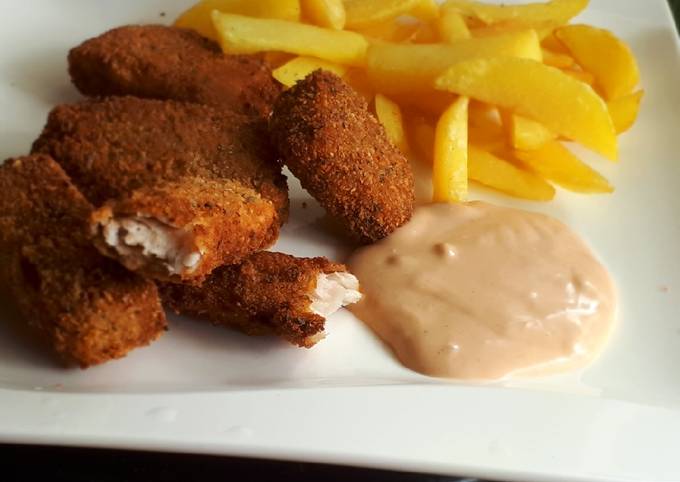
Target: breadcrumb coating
123, 149
161, 62
181, 230
90, 309
113, 146
342, 156
268, 293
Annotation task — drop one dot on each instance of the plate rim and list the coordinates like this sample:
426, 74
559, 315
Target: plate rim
174, 422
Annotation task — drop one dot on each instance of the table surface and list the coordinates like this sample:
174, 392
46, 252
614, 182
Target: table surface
60, 464
63, 464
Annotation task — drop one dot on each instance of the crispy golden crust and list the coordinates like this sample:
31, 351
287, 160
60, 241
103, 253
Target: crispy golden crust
268, 293
224, 220
113, 146
162, 62
89, 308
342, 156
117, 148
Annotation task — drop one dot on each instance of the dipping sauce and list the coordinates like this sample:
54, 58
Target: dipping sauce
477, 291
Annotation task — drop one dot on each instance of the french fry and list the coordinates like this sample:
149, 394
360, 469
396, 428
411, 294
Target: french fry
488, 138
198, 17
557, 11
401, 68
362, 13
449, 173
556, 59
624, 110
390, 31
421, 132
431, 102
427, 10
426, 33
556, 163
324, 13
543, 29
487, 89
389, 115
526, 87
581, 76
358, 80
486, 129
277, 59
551, 43
497, 173
246, 35
527, 134
484, 115
451, 26
601, 53
300, 67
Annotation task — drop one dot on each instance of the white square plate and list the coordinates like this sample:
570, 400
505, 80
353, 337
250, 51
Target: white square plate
347, 401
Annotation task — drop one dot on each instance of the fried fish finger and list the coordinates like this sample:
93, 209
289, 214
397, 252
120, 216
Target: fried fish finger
162, 62
180, 230
124, 149
116, 145
342, 156
90, 309
269, 293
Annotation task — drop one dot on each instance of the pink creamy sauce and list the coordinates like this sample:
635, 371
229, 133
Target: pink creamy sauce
477, 291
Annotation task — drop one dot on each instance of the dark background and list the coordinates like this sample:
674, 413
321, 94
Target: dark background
55, 464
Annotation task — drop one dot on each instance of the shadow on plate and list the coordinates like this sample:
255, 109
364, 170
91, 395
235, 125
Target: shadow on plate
43, 76
16, 143
19, 343
210, 338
